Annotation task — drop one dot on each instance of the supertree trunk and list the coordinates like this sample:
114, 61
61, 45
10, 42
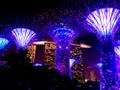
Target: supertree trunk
109, 69
63, 57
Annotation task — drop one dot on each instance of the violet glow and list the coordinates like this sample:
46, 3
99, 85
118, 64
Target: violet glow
62, 30
59, 32
23, 36
104, 20
3, 42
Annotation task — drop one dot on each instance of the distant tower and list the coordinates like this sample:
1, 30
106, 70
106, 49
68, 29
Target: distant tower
104, 21
22, 37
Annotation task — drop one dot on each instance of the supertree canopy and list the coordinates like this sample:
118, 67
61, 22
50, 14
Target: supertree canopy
23, 36
103, 22
3, 42
61, 26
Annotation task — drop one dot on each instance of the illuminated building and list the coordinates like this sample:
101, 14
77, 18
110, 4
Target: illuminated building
43, 52
104, 23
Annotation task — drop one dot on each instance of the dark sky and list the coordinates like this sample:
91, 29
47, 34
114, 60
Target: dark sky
12, 8
28, 5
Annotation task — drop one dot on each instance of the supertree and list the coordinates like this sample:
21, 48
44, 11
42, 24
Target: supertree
117, 53
20, 30
104, 21
23, 36
61, 26
63, 35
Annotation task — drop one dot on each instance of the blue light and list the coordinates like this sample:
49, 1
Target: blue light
3, 42
37, 64
23, 36
62, 32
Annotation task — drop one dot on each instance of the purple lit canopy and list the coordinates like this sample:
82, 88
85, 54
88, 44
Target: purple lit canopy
104, 20
62, 31
23, 36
